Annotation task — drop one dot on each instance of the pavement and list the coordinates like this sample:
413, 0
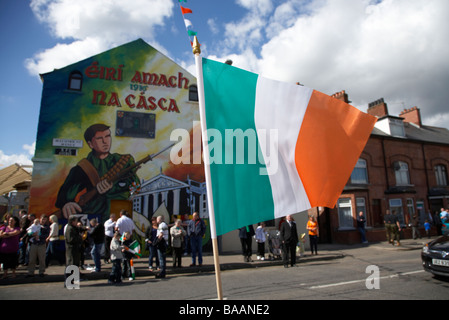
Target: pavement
228, 261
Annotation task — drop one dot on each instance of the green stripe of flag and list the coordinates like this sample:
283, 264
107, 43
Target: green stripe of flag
241, 195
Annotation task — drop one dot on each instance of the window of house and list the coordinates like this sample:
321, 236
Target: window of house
360, 174
441, 175
75, 81
361, 206
396, 206
345, 217
401, 173
410, 208
421, 212
193, 93
397, 128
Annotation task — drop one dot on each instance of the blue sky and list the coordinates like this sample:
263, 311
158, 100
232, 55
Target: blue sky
21, 36
395, 49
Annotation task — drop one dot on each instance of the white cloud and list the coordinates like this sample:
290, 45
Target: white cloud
283, 17
213, 26
63, 54
437, 120
245, 33
22, 158
109, 19
396, 49
261, 7
93, 26
30, 148
247, 60
249, 31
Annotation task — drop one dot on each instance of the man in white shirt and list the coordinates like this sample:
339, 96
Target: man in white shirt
162, 227
109, 227
124, 224
162, 236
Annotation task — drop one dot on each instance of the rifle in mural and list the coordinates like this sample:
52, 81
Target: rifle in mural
123, 174
85, 198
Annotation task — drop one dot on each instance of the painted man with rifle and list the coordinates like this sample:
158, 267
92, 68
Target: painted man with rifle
100, 174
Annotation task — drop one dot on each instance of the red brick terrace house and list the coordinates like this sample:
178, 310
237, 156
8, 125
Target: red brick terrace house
403, 166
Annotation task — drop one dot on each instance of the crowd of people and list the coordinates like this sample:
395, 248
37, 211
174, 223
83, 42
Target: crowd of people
439, 220
30, 241
116, 235
290, 241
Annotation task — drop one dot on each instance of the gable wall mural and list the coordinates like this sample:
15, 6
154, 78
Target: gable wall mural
99, 119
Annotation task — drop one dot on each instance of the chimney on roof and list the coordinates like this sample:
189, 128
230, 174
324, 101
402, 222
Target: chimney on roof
412, 115
378, 108
342, 95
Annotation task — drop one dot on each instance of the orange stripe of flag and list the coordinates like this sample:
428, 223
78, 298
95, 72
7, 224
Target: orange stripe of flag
332, 137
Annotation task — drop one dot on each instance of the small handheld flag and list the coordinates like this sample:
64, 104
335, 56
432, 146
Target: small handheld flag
134, 248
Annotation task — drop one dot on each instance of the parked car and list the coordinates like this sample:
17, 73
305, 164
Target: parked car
435, 256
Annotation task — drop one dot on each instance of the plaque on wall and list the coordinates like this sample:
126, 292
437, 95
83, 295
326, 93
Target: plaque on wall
66, 151
135, 125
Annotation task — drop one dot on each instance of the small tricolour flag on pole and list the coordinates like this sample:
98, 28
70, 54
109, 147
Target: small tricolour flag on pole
189, 26
300, 146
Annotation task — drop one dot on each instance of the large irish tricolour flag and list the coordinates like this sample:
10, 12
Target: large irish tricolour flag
307, 145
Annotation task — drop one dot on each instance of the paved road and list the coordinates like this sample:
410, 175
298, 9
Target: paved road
400, 278
340, 273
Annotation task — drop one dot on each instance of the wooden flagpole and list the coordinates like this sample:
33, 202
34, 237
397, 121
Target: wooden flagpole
205, 142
